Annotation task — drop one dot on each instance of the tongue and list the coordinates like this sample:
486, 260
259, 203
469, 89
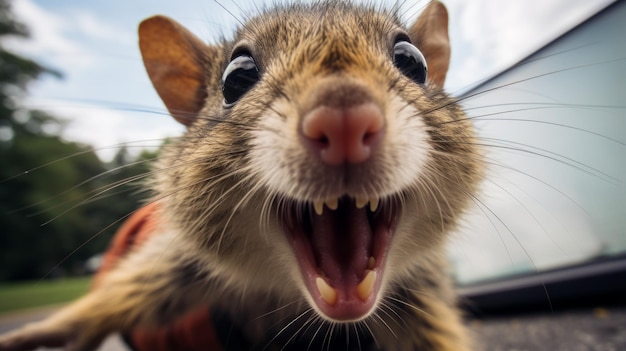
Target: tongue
341, 241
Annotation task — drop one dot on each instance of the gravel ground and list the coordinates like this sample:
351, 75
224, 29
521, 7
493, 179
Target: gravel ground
14, 320
593, 329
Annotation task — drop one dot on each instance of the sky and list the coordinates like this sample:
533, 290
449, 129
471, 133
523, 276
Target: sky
108, 99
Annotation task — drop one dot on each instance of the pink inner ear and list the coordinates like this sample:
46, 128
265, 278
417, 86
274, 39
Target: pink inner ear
174, 59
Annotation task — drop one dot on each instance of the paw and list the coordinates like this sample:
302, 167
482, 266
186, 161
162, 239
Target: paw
33, 336
30, 337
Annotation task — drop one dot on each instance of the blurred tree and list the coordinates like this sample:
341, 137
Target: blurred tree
27, 249
53, 192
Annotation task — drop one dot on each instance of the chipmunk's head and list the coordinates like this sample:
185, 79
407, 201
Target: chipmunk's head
322, 160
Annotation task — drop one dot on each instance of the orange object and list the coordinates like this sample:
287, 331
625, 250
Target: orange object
194, 331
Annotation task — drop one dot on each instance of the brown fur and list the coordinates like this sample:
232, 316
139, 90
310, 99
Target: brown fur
220, 243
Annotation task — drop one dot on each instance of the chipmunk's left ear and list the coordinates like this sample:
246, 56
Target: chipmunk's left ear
178, 64
429, 33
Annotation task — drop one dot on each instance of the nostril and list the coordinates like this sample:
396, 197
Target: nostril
323, 140
369, 136
318, 144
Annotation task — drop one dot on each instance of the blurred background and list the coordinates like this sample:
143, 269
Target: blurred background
544, 81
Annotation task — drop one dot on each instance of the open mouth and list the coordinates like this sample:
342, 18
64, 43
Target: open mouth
341, 247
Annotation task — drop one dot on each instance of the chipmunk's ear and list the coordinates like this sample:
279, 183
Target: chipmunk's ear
430, 34
176, 62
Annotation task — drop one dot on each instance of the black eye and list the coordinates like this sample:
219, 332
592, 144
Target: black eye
240, 75
410, 61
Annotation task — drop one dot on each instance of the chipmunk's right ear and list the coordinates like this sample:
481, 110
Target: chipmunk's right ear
176, 62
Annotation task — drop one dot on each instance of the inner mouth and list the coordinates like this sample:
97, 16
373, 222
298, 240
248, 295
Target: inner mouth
341, 247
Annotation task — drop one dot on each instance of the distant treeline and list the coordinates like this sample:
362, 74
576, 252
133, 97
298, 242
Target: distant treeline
50, 221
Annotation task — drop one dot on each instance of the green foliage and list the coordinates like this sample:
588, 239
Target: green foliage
19, 296
79, 198
77, 215
15, 71
8, 24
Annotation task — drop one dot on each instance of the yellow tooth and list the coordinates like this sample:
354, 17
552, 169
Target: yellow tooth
332, 203
366, 286
361, 202
319, 207
371, 263
328, 293
374, 204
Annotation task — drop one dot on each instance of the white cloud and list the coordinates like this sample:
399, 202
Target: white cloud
493, 35
58, 39
84, 47
48, 31
88, 24
107, 129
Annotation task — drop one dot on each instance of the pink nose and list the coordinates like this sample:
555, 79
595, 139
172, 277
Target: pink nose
343, 134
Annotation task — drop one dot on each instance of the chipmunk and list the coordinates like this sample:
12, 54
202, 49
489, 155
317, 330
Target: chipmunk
311, 197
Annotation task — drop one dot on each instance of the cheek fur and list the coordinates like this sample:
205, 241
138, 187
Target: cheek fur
407, 145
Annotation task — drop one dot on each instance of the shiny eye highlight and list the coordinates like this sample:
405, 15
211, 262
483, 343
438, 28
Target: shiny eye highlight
240, 75
410, 61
